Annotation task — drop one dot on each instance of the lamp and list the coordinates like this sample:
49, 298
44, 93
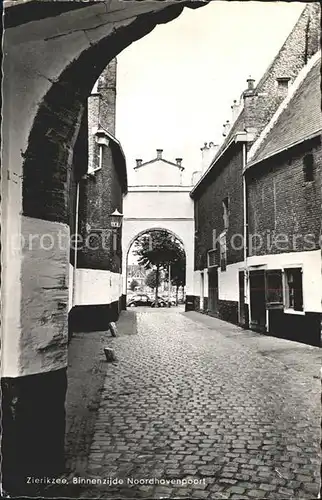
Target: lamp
116, 219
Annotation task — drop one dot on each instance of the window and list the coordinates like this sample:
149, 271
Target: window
99, 157
212, 260
293, 289
98, 160
274, 288
308, 167
223, 251
283, 82
225, 205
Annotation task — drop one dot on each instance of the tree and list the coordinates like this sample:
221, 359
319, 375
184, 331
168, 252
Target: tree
178, 271
133, 285
151, 279
156, 249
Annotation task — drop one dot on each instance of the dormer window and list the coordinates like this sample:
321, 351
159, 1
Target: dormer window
101, 142
100, 157
283, 82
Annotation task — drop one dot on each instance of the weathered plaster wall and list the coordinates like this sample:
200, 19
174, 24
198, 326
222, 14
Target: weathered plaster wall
97, 287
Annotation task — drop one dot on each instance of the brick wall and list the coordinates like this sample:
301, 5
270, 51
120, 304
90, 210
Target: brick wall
225, 181
281, 202
107, 89
79, 168
100, 195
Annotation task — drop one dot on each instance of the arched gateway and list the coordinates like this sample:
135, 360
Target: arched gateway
159, 201
53, 54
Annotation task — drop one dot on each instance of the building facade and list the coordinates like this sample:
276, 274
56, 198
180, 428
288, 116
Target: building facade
159, 201
96, 251
220, 194
284, 199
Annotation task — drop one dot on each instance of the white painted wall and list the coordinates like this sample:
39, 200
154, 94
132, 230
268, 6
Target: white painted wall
175, 204
205, 279
197, 283
312, 278
96, 287
311, 263
228, 287
157, 173
71, 287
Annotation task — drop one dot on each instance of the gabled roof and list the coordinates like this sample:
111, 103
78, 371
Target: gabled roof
155, 160
297, 119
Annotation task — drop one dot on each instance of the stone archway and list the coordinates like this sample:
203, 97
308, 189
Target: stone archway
52, 58
128, 241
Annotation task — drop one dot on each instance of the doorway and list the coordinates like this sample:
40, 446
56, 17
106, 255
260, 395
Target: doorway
213, 290
257, 300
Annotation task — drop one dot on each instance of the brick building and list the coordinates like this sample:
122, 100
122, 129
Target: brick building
284, 199
220, 284
101, 182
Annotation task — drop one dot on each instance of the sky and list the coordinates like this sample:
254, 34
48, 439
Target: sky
175, 86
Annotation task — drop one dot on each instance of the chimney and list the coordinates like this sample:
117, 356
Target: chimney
159, 154
138, 162
208, 152
234, 110
179, 161
250, 83
213, 148
226, 128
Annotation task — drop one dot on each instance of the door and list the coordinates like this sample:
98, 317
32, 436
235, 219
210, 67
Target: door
213, 290
257, 300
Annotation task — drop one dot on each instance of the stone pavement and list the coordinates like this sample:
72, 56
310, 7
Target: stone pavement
199, 408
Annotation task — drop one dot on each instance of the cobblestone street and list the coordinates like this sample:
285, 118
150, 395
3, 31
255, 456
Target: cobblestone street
231, 413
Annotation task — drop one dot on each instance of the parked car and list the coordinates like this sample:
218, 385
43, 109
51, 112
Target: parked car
139, 300
159, 303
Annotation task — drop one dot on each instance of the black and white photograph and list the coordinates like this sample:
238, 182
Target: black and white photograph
161, 250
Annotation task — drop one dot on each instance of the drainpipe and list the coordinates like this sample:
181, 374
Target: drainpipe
245, 228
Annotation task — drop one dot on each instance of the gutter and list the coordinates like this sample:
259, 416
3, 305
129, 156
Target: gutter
238, 137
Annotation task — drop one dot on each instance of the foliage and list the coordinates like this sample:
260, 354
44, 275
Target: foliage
178, 272
151, 279
157, 249
133, 285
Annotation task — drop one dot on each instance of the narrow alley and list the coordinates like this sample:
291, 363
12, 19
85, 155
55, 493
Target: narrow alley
198, 408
